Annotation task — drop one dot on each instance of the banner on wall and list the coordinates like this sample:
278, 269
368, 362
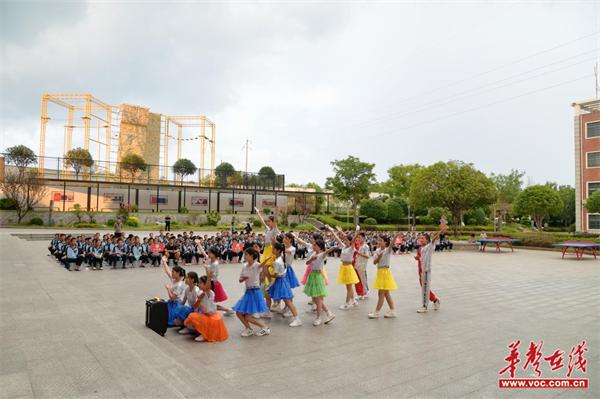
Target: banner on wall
113, 198
199, 201
67, 196
268, 203
236, 202
159, 199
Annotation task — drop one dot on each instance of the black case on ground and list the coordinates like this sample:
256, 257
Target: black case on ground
157, 315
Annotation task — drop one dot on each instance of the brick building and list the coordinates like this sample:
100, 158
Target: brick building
587, 162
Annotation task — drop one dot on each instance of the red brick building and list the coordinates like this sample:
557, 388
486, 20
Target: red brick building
587, 162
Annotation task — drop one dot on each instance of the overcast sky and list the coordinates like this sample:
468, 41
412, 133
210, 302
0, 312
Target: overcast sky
388, 82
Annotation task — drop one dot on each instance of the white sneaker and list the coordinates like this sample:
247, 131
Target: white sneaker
296, 322
248, 332
317, 322
266, 315
275, 308
354, 304
230, 313
390, 315
374, 315
436, 304
287, 313
346, 306
263, 332
422, 310
184, 331
330, 317
199, 338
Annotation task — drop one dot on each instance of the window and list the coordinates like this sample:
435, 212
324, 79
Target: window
593, 159
594, 222
593, 130
593, 187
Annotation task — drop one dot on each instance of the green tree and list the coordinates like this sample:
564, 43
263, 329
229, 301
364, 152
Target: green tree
373, 208
509, 186
184, 167
78, 159
400, 179
267, 176
78, 212
319, 199
567, 215
133, 163
454, 185
593, 202
396, 209
351, 182
539, 202
20, 156
24, 189
223, 171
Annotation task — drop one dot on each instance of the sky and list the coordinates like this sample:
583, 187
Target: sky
489, 83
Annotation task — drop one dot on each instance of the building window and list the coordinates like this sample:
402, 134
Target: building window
593, 159
593, 187
594, 222
593, 130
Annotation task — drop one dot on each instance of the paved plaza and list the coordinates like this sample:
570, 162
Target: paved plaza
82, 334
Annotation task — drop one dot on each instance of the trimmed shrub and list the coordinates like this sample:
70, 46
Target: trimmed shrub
111, 222
134, 208
183, 209
8, 204
133, 221
370, 221
213, 218
293, 225
305, 227
256, 223
36, 222
87, 225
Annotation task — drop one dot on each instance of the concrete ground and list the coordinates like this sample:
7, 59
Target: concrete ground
68, 334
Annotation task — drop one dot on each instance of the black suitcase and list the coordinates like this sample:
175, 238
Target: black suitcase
157, 315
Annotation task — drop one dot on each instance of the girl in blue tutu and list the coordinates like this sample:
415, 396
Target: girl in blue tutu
253, 301
192, 292
280, 290
175, 290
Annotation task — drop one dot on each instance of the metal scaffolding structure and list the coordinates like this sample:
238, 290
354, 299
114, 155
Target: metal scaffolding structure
105, 118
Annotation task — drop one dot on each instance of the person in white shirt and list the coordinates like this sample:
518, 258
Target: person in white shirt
426, 250
207, 321
175, 290
192, 292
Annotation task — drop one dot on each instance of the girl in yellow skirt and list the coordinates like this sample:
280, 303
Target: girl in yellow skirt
207, 321
347, 275
271, 233
384, 282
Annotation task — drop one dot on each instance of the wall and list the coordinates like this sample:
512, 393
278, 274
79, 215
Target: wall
588, 174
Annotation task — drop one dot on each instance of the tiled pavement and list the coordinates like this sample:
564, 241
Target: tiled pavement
83, 335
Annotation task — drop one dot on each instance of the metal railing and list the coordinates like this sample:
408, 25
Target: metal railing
57, 168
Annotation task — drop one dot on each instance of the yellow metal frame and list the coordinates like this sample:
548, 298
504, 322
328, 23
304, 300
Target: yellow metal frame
89, 105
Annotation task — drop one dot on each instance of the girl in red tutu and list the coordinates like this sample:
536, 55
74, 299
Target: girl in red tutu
206, 320
212, 271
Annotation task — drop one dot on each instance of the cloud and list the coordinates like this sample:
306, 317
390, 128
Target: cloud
308, 82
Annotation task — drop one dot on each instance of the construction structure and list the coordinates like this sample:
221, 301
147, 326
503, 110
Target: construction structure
587, 162
109, 132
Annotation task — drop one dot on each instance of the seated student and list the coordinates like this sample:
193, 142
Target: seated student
198, 246
188, 250
53, 244
118, 254
207, 322
472, 239
72, 255
108, 248
59, 253
95, 255
146, 249
183, 309
157, 250
136, 253
237, 250
172, 250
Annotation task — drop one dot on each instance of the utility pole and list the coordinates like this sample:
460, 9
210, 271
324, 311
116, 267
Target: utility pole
247, 147
596, 75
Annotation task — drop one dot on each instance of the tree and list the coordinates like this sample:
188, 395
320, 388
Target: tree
319, 199
509, 186
538, 202
25, 189
223, 171
267, 175
373, 208
454, 185
184, 167
351, 182
400, 179
78, 158
133, 163
593, 202
20, 156
396, 209
78, 212
567, 215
